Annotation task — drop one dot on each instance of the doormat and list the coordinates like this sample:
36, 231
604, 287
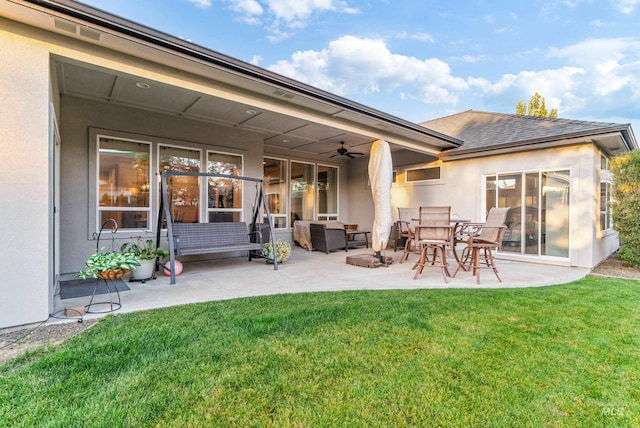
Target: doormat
367, 260
84, 287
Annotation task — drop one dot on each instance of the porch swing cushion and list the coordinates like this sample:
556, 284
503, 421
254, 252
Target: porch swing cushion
208, 238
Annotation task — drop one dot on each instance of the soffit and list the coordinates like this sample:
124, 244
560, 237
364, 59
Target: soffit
290, 115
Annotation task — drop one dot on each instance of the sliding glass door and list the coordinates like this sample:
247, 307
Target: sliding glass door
538, 221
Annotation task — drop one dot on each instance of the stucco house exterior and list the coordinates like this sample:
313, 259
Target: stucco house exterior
96, 106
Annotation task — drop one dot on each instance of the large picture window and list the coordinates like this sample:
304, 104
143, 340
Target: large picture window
224, 195
123, 183
538, 221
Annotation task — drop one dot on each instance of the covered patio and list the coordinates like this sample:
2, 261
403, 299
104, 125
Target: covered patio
313, 272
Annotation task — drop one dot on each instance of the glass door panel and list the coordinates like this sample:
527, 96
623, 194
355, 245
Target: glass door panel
302, 194
555, 210
327, 192
530, 215
510, 195
275, 179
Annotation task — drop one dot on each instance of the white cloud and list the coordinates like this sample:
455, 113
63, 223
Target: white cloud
593, 80
423, 37
250, 8
625, 6
357, 65
202, 4
610, 64
599, 78
288, 14
472, 59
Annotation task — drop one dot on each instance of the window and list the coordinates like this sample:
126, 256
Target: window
183, 191
606, 182
302, 194
275, 181
123, 183
224, 195
425, 174
327, 198
538, 221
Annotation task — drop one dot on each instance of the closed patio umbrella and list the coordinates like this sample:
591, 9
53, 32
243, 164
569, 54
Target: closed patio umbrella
380, 176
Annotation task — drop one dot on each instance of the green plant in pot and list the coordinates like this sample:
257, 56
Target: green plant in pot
109, 265
283, 251
146, 252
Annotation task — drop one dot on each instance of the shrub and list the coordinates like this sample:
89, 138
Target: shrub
626, 205
283, 249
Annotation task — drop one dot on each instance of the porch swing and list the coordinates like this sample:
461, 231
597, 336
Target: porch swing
217, 237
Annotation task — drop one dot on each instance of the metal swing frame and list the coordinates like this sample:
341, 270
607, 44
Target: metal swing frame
164, 212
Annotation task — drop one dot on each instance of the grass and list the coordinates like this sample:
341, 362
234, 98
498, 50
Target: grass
566, 355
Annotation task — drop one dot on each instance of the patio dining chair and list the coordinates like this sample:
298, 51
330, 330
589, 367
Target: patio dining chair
480, 243
406, 225
434, 234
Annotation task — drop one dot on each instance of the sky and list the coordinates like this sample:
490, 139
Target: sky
423, 59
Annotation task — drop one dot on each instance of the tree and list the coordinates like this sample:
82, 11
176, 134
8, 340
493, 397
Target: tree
626, 205
536, 108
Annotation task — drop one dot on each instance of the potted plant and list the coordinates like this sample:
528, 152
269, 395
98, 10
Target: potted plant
146, 252
283, 251
109, 265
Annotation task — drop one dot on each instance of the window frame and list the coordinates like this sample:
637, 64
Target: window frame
287, 185
440, 180
201, 192
496, 176
92, 179
94, 174
606, 179
326, 216
205, 167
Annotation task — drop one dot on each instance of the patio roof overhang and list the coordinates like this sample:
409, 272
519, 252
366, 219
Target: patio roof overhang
194, 82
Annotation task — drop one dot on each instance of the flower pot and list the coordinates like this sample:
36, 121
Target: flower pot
113, 274
144, 271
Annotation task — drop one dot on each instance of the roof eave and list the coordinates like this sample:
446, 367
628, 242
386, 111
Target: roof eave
137, 31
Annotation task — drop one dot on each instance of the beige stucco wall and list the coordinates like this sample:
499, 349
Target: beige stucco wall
462, 189
24, 170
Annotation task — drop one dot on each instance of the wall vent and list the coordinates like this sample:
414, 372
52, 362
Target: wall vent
64, 26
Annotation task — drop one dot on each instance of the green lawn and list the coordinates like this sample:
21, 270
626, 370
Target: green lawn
566, 355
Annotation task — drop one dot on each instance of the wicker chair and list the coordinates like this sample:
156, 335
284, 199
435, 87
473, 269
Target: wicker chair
327, 239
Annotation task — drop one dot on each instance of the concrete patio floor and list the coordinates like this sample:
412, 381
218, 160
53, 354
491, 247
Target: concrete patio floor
314, 271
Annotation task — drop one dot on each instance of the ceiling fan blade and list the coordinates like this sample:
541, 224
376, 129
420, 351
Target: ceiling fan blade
334, 155
356, 153
349, 155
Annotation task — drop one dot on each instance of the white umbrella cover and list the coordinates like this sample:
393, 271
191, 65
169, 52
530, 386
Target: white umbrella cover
380, 176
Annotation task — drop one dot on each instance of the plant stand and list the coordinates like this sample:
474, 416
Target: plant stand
113, 301
107, 277
142, 280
